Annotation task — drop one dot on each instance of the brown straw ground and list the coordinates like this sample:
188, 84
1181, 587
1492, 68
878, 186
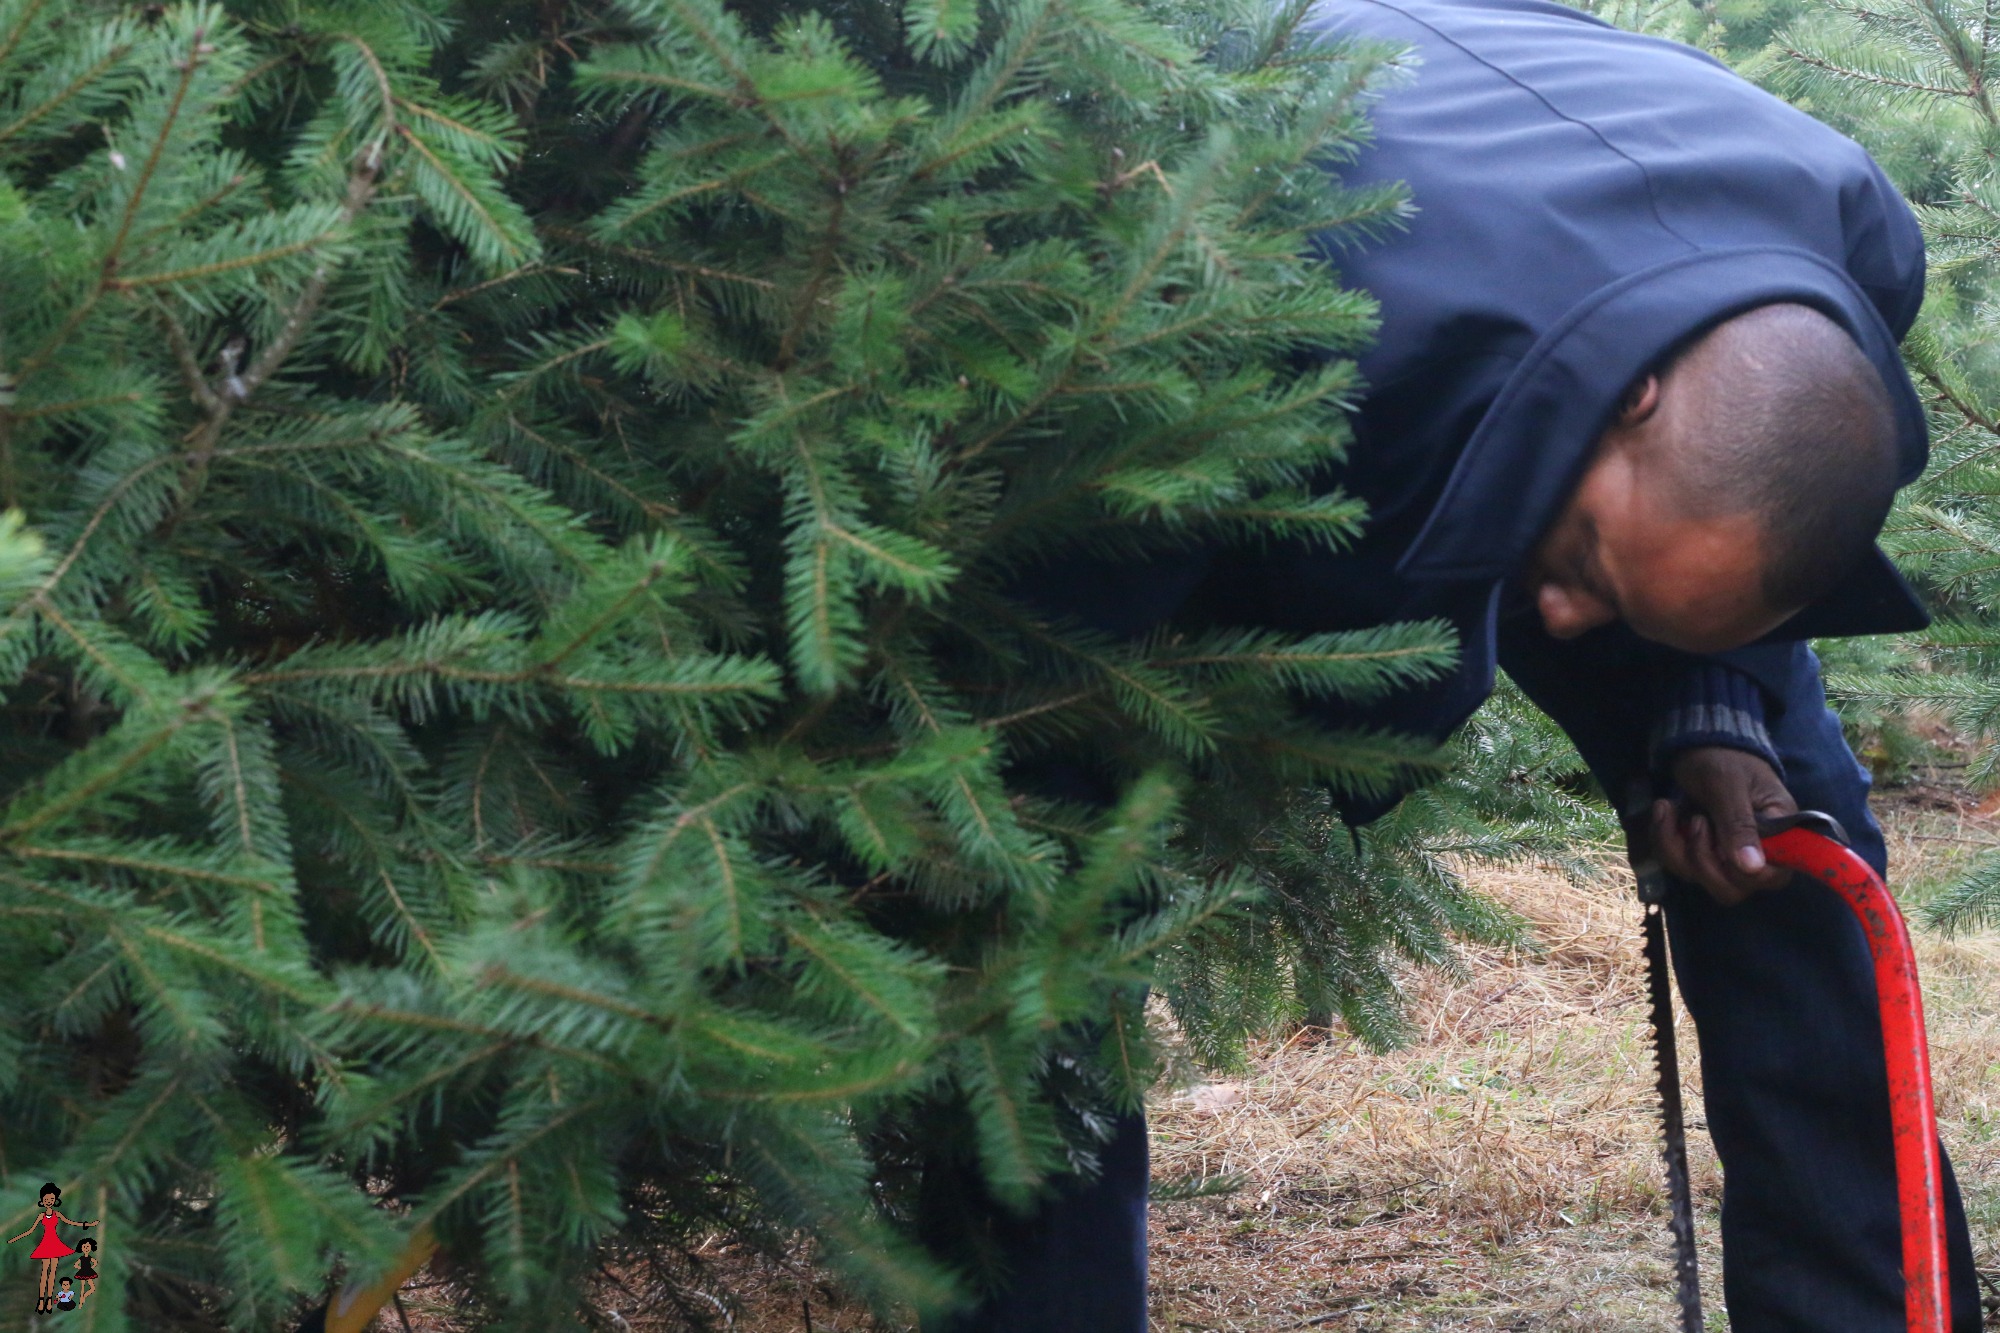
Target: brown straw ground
1502, 1171
1499, 1173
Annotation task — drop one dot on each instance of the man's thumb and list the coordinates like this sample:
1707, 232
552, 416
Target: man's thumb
1736, 842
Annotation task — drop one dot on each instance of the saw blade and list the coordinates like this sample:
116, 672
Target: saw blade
1687, 1279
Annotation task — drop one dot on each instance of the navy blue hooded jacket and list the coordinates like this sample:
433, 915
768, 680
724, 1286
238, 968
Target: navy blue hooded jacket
1586, 201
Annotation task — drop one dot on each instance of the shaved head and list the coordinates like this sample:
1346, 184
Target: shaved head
1740, 483
1779, 415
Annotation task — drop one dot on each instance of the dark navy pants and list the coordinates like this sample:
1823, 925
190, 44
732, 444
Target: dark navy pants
1783, 999
1080, 1267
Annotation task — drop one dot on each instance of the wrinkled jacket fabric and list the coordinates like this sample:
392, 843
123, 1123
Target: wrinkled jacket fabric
1586, 201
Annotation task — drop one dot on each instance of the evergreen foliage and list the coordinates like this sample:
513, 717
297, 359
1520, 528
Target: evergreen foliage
518, 715
1340, 910
1911, 79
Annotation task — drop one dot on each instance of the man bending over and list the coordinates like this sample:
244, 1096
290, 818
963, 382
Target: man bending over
1635, 417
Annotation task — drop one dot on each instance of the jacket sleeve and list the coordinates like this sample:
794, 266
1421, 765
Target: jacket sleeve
1704, 702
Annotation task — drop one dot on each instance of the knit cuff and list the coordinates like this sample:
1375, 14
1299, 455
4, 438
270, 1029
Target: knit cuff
1712, 705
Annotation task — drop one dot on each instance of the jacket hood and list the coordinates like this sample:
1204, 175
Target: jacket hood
1584, 201
1562, 394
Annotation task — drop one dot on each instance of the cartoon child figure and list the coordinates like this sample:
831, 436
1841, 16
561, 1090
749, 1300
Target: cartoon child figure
50, 1247
65, 1299
86, 1268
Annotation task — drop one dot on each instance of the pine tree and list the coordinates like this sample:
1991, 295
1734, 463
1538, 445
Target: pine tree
518, 717
1342, 913
1911, 80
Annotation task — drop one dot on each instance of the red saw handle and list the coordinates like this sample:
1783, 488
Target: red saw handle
1913, 1119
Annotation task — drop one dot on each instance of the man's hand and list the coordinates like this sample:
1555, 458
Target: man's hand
1712, 840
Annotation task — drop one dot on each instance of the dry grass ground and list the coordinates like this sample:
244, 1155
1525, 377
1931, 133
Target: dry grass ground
1502, 1171
1499, 1173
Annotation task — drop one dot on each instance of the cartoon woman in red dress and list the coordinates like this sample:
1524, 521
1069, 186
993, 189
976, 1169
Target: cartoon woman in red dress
50, 1248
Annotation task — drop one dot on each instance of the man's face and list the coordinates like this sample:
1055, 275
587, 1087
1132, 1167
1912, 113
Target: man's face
1620, 551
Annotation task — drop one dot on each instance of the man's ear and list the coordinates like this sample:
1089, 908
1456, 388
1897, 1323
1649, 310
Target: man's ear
1641, 400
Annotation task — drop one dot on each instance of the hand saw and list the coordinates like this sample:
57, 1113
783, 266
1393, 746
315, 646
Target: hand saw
1652, 882
1814, 844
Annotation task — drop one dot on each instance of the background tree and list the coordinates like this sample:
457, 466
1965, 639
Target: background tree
1912, 81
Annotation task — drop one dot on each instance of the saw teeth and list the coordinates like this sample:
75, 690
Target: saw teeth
1673, 1129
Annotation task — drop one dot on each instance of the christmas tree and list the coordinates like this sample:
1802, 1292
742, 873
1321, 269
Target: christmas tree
1910, 79
518, 714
